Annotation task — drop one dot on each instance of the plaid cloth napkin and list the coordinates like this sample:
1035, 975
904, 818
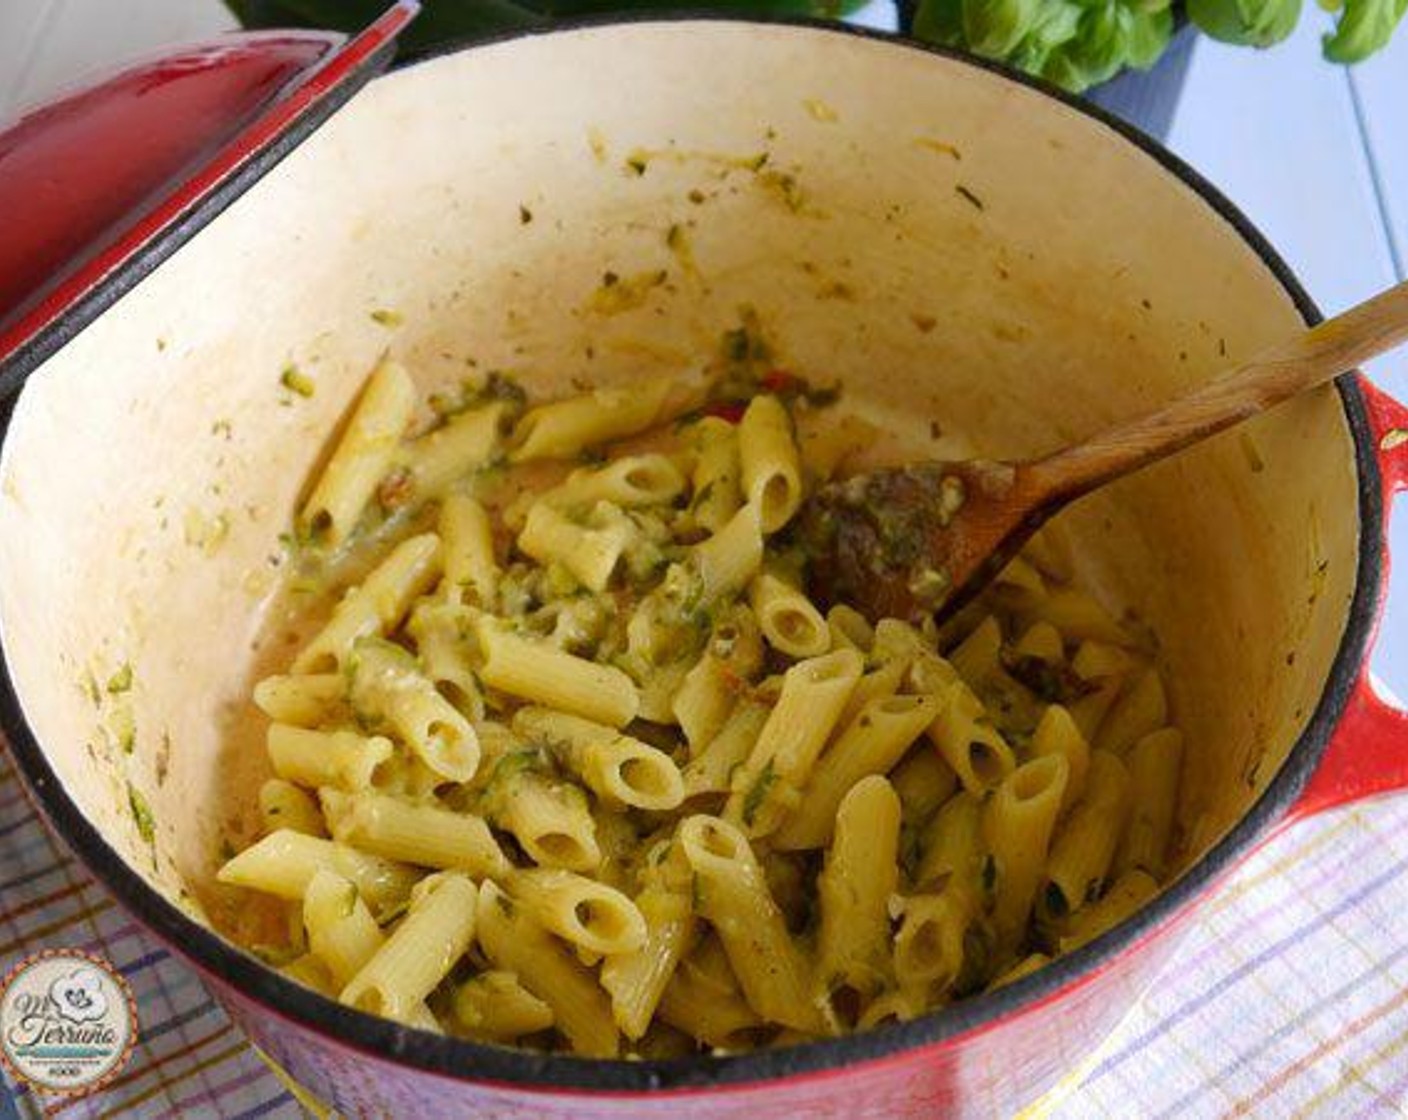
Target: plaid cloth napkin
1288, 999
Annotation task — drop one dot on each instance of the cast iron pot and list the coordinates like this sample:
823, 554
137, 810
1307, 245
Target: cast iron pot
957, 246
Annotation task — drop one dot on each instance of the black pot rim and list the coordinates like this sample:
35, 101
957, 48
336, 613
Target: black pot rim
475, 1063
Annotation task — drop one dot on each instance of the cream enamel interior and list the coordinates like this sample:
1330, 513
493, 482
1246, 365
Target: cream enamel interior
951, 246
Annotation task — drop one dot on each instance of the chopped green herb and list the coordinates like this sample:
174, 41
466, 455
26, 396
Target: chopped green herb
295, 381
524, 215
124, 729
121, 681
141, 814
386, 318
637, 163
753, 800
89, 684
969, 197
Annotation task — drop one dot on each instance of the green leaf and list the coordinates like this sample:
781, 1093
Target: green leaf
939, 21
993, 28
1056, 25
1364, 27
1098, 50
1148, 37
1252, 23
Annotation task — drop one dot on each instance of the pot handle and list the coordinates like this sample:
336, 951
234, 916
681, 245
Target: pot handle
1369, 754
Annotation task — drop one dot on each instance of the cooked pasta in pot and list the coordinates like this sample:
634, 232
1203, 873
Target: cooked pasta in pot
577, 764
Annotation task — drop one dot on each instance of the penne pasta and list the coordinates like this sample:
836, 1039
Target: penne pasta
585, 768
730, 558
629, 482
462, 445
1126, 895
516, 943
734, 898
1084, 846
849, 628
712, 770
436, 931
1058, 735
362, 456
387, 685
968, 742
770, 465
854, 888
598, 918
703, 702
326, 758
1141, 709
767, 786
374, 607
426, 835
618, 768
870, 745
562, 429
636, 980
703, 999
951, 847
284, 862
1154, 762
717, 482
590, 551
471, 569
283, 805
1017, 827
538, 673
303, 701
495, 1007
929, 941
788, 620
342, 933
924, 782
550, 819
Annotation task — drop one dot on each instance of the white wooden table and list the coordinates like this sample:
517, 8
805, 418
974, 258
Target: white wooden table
1317, 156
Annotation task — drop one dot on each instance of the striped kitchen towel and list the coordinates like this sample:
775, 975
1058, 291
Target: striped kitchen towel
1289, 998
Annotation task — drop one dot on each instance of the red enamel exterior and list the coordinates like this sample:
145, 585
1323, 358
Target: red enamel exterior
1369, 754
995, 1071
205, 112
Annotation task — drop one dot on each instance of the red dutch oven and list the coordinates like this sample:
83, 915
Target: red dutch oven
966, 251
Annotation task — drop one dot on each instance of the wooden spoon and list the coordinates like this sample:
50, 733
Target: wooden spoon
903, 542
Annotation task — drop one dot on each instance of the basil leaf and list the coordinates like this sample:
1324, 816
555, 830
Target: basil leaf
939, 21
1148, 37
993, 28
1252, 23
1363, 28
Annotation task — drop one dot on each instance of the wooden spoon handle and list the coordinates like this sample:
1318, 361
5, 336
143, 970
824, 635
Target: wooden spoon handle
1312, 358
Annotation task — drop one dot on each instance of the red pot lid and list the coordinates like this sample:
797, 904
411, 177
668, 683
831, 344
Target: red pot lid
102, 184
